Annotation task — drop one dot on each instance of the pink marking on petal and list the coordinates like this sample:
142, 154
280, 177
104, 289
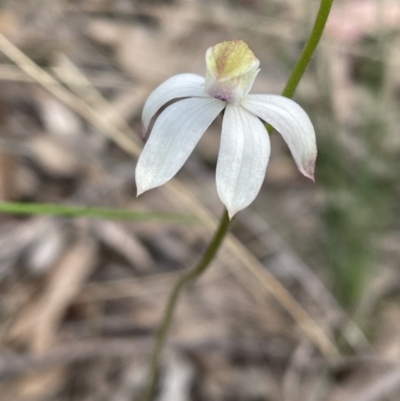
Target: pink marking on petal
309, 170
143, 132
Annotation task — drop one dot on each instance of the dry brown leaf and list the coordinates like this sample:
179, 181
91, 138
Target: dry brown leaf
58, 119
40, 321
53, 156
124, 243
40, 386
178, 21
105, 32
125, 105
26, 182
149, 56
7, 176
64, 284
14, 240
145, 54
46, 249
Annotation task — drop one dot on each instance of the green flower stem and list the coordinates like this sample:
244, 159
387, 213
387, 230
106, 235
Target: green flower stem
216, 242
309, 48
173, 299
22, 208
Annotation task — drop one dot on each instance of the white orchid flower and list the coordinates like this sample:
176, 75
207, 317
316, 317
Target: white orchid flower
245, 144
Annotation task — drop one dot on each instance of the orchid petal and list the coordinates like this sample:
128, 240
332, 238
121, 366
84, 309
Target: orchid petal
173, 138
243, 158
292, 122
178, 86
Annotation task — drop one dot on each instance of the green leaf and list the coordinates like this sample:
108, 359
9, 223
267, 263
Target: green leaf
22, 208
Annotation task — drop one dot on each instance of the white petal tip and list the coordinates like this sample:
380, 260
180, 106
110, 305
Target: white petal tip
309, 175
309, 170
231, 215
143, 132
140, 191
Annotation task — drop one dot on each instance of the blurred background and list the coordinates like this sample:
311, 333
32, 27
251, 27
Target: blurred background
80, 299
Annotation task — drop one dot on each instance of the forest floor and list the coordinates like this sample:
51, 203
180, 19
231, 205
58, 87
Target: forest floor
309, 270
